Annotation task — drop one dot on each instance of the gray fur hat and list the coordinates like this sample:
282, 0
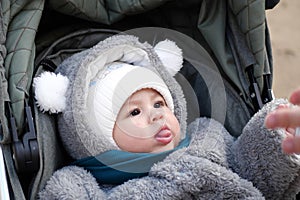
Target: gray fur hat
71, 88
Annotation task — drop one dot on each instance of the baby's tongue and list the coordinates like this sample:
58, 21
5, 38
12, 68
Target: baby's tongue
164, 136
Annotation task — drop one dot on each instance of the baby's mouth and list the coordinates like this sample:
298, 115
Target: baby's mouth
164, 135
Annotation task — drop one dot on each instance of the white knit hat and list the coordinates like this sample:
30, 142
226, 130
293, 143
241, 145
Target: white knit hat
112, 87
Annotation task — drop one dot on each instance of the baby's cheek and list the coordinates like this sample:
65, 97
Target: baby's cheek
138, 122
176, 127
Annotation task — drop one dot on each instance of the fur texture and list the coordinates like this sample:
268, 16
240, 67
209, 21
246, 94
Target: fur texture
213, 166
259, 158
200, 171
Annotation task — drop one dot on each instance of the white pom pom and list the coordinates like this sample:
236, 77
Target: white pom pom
50, 90
170, 55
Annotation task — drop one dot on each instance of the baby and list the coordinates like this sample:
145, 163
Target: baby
124, 123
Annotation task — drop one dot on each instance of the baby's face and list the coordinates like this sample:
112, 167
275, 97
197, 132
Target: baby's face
145, 124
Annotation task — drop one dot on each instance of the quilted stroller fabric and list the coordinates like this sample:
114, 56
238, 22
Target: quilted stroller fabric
31, 30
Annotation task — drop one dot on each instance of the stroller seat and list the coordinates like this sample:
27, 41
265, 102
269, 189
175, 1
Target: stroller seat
38, 35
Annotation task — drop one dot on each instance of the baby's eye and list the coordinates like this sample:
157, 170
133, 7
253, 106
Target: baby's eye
135, 112
159, 104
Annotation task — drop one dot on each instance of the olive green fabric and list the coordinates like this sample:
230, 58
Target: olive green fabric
20, 20
250, 17
189, 17
106, 12
203, 20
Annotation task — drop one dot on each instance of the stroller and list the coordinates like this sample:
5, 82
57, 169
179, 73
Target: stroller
37, 35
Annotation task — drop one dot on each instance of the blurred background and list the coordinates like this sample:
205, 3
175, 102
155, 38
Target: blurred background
284, 25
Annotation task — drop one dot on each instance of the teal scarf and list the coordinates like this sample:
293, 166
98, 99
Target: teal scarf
116, 166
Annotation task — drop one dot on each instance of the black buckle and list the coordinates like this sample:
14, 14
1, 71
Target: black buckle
267, 94
254, 90
25, 150
48, 64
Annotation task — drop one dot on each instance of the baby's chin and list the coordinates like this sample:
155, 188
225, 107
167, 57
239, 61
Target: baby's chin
167, 147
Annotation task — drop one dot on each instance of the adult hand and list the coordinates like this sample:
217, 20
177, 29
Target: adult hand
288, 118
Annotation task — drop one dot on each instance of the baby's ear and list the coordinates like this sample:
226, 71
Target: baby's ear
170, 55
50, 92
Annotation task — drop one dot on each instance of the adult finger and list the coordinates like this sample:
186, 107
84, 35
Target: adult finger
291, 145
285, 117
295, 97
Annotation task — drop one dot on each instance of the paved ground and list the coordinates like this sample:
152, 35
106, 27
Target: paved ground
284, 24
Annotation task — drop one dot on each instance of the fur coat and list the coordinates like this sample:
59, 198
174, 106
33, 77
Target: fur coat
215, 165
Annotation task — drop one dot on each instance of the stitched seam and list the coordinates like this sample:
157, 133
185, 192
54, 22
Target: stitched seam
15, 50
79, 11
21, 28
8, 9
22, 32
141, 5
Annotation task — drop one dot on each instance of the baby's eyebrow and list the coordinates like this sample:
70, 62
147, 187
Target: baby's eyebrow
134, 102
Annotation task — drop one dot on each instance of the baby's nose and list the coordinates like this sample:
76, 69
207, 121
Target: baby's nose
156, 114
